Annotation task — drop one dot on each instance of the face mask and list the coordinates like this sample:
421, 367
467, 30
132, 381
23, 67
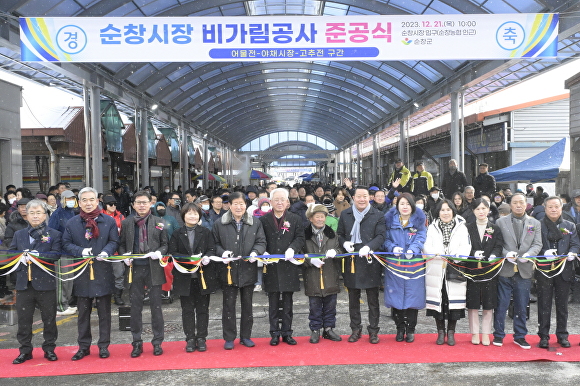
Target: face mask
177, 202
70, 204
420, 206
11, 201
166, 190
266, 208
435, 196
161, 212
205, 207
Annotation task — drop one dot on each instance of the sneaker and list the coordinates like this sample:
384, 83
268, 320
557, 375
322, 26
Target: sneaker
68, 311
522, 343
497, 341
257, 288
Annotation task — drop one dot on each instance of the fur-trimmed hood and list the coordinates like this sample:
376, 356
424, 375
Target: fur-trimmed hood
328, 232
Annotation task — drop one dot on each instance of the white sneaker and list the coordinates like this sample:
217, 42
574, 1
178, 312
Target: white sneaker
68, 311
257, 288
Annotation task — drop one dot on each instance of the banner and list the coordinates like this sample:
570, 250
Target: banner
288, 38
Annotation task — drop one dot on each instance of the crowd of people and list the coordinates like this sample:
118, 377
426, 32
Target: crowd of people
428, 247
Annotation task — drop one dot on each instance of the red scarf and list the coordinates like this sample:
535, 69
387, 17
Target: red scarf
90, 220
279, 223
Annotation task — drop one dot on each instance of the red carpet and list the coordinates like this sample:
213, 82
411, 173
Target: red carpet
423, 350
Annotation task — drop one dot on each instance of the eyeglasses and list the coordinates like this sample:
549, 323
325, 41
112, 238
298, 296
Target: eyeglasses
142, 202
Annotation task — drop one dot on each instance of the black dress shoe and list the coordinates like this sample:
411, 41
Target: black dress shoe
190, 346
201, 346
330, 334
81, 354
104, 352
22, 358
137, 349
157, 350
50, 355
410, 338
400, 335
288, 339
315, 336
564, 342
543, 343
374, 338
355, 336
275, 340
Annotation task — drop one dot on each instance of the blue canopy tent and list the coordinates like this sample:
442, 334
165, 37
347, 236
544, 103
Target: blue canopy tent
544, 166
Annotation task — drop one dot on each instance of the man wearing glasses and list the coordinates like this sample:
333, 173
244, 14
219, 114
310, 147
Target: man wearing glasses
34, 286
145, 234
93, 235
284, 235
173, 205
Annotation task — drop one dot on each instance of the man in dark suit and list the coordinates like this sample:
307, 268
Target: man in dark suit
284, 235
522, 238
362, 228
559, 238
34, 286
145, 234
484, 183
92, 234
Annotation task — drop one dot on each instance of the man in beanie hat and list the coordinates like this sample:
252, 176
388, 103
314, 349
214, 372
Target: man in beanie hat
321, 275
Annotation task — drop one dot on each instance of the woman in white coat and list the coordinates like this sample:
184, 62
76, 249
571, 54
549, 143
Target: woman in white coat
445, 285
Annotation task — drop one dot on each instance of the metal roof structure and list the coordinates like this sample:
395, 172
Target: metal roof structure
341, 102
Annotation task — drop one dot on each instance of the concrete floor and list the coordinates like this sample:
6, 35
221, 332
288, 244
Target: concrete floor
432, 374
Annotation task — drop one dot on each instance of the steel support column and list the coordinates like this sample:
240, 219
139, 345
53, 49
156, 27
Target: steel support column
96, 139
403, 139
144, 148
455, 129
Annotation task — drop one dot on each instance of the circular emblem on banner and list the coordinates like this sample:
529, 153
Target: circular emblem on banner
71, 39
510, 35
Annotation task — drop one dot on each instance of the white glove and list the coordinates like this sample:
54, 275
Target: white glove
128, 262
478, 255
409, 254
571, 256
87, 252
523, 259
102, 256
127, 254
227, 254
205, 260
317, 262
289, 254
27, 256
348, 246
364, 251
397, 251
155, 255
260, 264
264, 261
550, 254
511, 256
330, 253
34, 252
252, 258
494, 257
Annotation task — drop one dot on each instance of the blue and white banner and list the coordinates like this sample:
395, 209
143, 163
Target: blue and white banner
288, 38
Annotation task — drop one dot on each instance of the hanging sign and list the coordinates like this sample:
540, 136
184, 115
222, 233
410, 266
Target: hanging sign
288, 38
